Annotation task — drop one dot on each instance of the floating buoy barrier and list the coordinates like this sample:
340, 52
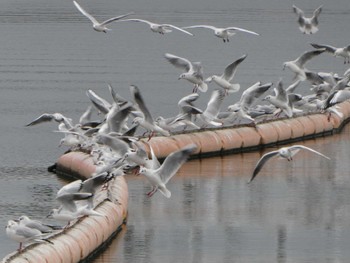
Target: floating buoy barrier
88, 235
244, 138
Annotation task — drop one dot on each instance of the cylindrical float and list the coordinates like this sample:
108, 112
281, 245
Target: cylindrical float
85, 238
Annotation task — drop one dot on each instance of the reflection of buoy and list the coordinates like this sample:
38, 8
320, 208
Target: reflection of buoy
84, 238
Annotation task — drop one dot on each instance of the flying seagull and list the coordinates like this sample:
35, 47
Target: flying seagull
224, 80
285, 152
307, 25
223, 33
158, 28
99, 27
193, 71
336, 51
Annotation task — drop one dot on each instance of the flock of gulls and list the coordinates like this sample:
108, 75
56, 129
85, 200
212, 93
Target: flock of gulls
113, 139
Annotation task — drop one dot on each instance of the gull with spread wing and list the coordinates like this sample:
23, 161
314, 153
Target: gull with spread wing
297, 65
285, 152
99, 27
146, 121
336, 51
307, 25
280, 100
158, 28
223, 33
194, 71
159, 177
224, 80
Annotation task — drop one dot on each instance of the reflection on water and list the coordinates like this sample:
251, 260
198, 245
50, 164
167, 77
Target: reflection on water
294, 212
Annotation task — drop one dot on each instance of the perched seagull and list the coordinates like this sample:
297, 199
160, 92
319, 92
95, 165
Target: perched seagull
23, 234
224, 80
36, 224
285, 152
336, 51
307, 25
146, 120
158, 28
159, 177
223, 33
297, 65
280, 100
99, 27
194, 71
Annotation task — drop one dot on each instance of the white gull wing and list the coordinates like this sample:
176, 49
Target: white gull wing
82, 10
306, 56
250, 95
100, 103
173, 163
261, 162
241, 30
141, 104
68, 200
93, 19
280, 92
179, 62
214, 104
328, 48
177, 28
295, 148
230, 70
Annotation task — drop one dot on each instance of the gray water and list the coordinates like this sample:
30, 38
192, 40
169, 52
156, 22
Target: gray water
50, 56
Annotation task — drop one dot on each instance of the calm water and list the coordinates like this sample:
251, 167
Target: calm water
293, 212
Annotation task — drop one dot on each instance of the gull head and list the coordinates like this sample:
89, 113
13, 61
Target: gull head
286, 153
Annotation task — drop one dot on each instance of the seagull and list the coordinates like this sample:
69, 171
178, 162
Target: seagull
280, 100
158, 28
336, 51
23, 234
307, 25
159, 177
210, 114
36, 224
224, 80
58, 117
99, 27
297, 65
243, 106
223, 33
285, 152
194, 71
146, 120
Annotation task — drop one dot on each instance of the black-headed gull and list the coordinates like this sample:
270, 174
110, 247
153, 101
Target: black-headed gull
159, 177
36, 224
285, 152
223, 33
307, 25
158, 28
146, 121
280, 100
23, 234
224, 80
194, 71
297, 65
99, 27
336, 51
